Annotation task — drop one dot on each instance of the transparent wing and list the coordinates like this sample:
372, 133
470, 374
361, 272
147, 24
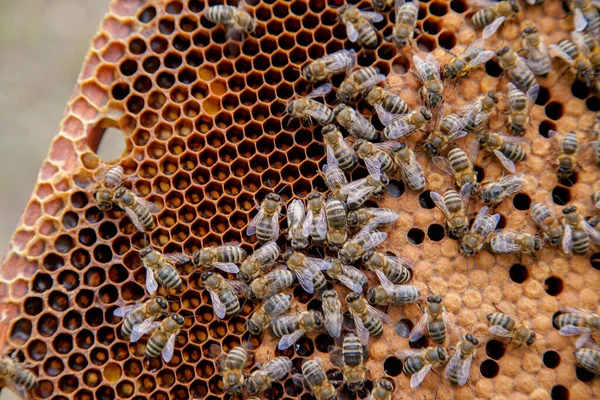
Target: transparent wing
373, 166
396, 131
481, 58
135, 220
307, 224
443, 165
419, 329
579, 20
532, 94
124, 311
351, 32
317, 114
433, 61
499, 331
562, 54
465, 370
139, 330
387, 285
295, 213
465, 194
398, 6
503, 247
474, 48
375, 239
322, 90
333, 323
355, 274
317, 264
385, 117
169, 349
153, 208
450, 324
251, 229
583, 339
360, 123
538, 67
177, 258
305, 279
350, 283
489, 30
400, 261
321, 226
239, 286
331, 159
507, 163
218, 306
275, 226
567, 242
479, 218
353, 186
372, 81
386, 319
416, 379
579, 41
474, 106
361, 331
594, 234
420, 71
151, 283
513, 183
572, 330
227, 267
289, 340
453, 363
372, 16
359, 193
407, 353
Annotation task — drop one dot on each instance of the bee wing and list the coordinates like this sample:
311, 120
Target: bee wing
355, 274
404, 354
289, 340
469, 108
583, 339
177, 258
372, 81
151, 283
239, 286
499, 331
304, 276
513, 183
387, 146
579, 40
465, 370
275, 226
307, 224
561, 53
579, 20
474, 48
465, 194
227, 267
169, 349
538, 67
386, 319
139, 330
124, 311
400, 261
433, 61
317, 114
295, 214
481, 58
331, 159
572, 330
594, 234
153, 208
218, 306
567, 242
251, 229
504, 247
333, 322
234, 32
359, 123
317, 264
350, 283
419, 329
397, 131
489, 30
321, 226
375, 239
532, 94
373, 166
351, 32
417, 378
322, 90
385, 117
453, 363
506, 162
361, 331
398, 6
353, 186
419, 68
443, 165
135, 220
479, 218
450, 324
387, 285
372, 16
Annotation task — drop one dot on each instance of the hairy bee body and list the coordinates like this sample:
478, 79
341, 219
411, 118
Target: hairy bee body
355, 123
402, 295
233, 372
160, 270
353, 362
359, 191
548, 223
382, 390
459, 166
459, 366
516, 68
360, 244
428, 73
151, 309
473, 56
255, 265
332, 313
394, 268
224, 297
358, 25
484, 225
576, 55
454, 207
223, 257
418, 363
270, 284
567, 159
291, 327
337, 232
272, 371
162, 339
503, 325
407, 124
317, 381
265, 223
273, 307
406, 22
494, 193
492, 17
359, 82
376, 158
138, 211
588, 359
327, 66
348, 275
368, 320
307, 109
12, 371
390, 102
506, 149
235, 18
578, 233
519, 105
511, 242
538, 59
412, 173
342, 151
375, 217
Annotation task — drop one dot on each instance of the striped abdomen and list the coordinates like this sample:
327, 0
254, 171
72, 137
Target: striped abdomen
144, 216
264, 231
570, 144
136, 317
336, 214
412, 365
517, 101
313, 373
168, 277
588, 359
220, 14
396, 273
581, 241
236, 358
521, 75
569, 47
113, 177
437, 330
394, 104
319, 281
233, 254
280, 328
387, 162
502, 320
230, 300
156, 343
367, 35
453, 201
373, 325
408, 295
570, 319
513, 151
352, 350
25, 378
484, 17
458, 160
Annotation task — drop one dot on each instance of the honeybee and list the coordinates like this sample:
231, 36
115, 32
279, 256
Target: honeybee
354, 355
362, 242
407, 124
382, 390
546, 220
359, 191
577, 56
538, 60
162, 340
238, 21
394, 269
338, 147
507, 149
446, 130
272, 371
577, 232
585, 16
223, 293
332, 312
376, 218
354, 122
454, 207
334, 177
222, 257
297, 236
502, 325
381, 5
473, 56
412, 173
519, 105
109, 183
574, 322
359, 27
16, 377
315, 222
376, 156
304, 268
516, 67
137, 316
589, 359
327, 66
459, 165
308, 109
435, 320
270, 284
494, 193
596, 199
359, 82
232, 369
350, 276
335, 212
291, 327
367, 319
493, 15
315, 376
428, 73
387, 104
569, 151
478, 112
265, 223
512, 242
458, 368
482, 227
387, 293
160, 270
258, 262
273, 307
406, 23
418, 363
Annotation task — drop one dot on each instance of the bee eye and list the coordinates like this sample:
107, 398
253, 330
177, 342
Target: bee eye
430, 299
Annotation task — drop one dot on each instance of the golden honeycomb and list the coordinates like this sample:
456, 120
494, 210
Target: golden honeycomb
203, 124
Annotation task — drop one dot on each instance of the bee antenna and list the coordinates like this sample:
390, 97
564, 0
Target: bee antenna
428, 288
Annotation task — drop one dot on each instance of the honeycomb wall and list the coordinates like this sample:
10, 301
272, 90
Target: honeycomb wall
203, 124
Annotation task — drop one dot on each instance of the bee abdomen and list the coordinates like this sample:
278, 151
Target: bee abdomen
156, 345
483, 18
413, 365
501, 319
437, 331
169, 277
395, 105
373, 325
515, 153
458, 159
220, 14
135, 318
25, 379
230, 301
581, 241
352, 352
236, 358
232, 254
312, 372
319, 281
280, 329
144, 216
398, 275
570, 319
367, 35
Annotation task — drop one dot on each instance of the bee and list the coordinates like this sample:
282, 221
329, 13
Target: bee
538, 60
327, 66
519, 105
387, 293
238, 21
458, 368
507, 149
359, 191
359, 82
418, 363
137, 317
162, 340
314, 374
546, 220
382, 5
273, 307
223, 293
376, 156
412, 173
361, 243
291, 327
577, 232
428, 73
511, 242
585, 16
596, 199
493, 15
359, 27
406, 23
308, 109
483, 226
353, 362
232, 367
407, 124
349, 276
272, 371
297, 236
516, 67
387, 104
335, 213
160, 270
589, 359
493, 193
367, 319
577, 56
435, 320
473, 56
315, 222
16, 377
375, 218
334, 178
258, 262
109, 183
454, 207
394, 269
446, 130
355, 123
567, 159
265, 223
382, 390
502, 325
342, 151
574, 322
478, 112
304, 268
222, 257
459, 165
270, 284
332, 313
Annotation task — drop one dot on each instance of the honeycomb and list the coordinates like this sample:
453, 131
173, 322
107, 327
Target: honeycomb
203, 124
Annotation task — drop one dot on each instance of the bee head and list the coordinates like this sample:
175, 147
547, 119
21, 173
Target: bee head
337, 109
531, 339
250, 386
466, 250
449, 72
318, 319
343, 97
243, 276
460, 232
343, 257
314, 195
234, 389
492, 96
162, 302
385, 384
517, 130
104, 198
359, 143
502, 51
328, 128
351, 297
356, 386
254, 330
537, 243
329, 293
426, 113
441, 353
530, 30
251, 25
287, 255
206, 275
378, 5
430, 150
352, 219
145, 251
564, 172
178, 319
434, 100
371, 296
367, 257
384, 180
569, 210
273, 197
306, 73
515, 6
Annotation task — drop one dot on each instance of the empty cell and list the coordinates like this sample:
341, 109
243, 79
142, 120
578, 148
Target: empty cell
426, 43
84, 339
58, 301
63, 343
173, 60
447, 40
202, 37
243, 65
165, 80
181, 42
187, 76
94, 317
158, 44
151, 64
120, 91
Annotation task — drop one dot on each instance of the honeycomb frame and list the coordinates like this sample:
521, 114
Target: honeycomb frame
204, 133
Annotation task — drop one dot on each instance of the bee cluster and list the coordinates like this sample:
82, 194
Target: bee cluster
334, 238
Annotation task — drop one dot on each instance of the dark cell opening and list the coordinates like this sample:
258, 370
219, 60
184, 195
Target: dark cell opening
436, 232
489, 369
593, 104
580, 90
551, 359
595, 261
554, 316
554, 110
495, 349
583, 374
559, 392
392, 366
561, 195
419, 344
415, 236
395, 188
447, 40
147, 14
570, 180
480, 173
324, 342
425, 200
459, 6
553, 286
545, 128
522, 201
304, 347
518, 273
492, 68
543, 96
